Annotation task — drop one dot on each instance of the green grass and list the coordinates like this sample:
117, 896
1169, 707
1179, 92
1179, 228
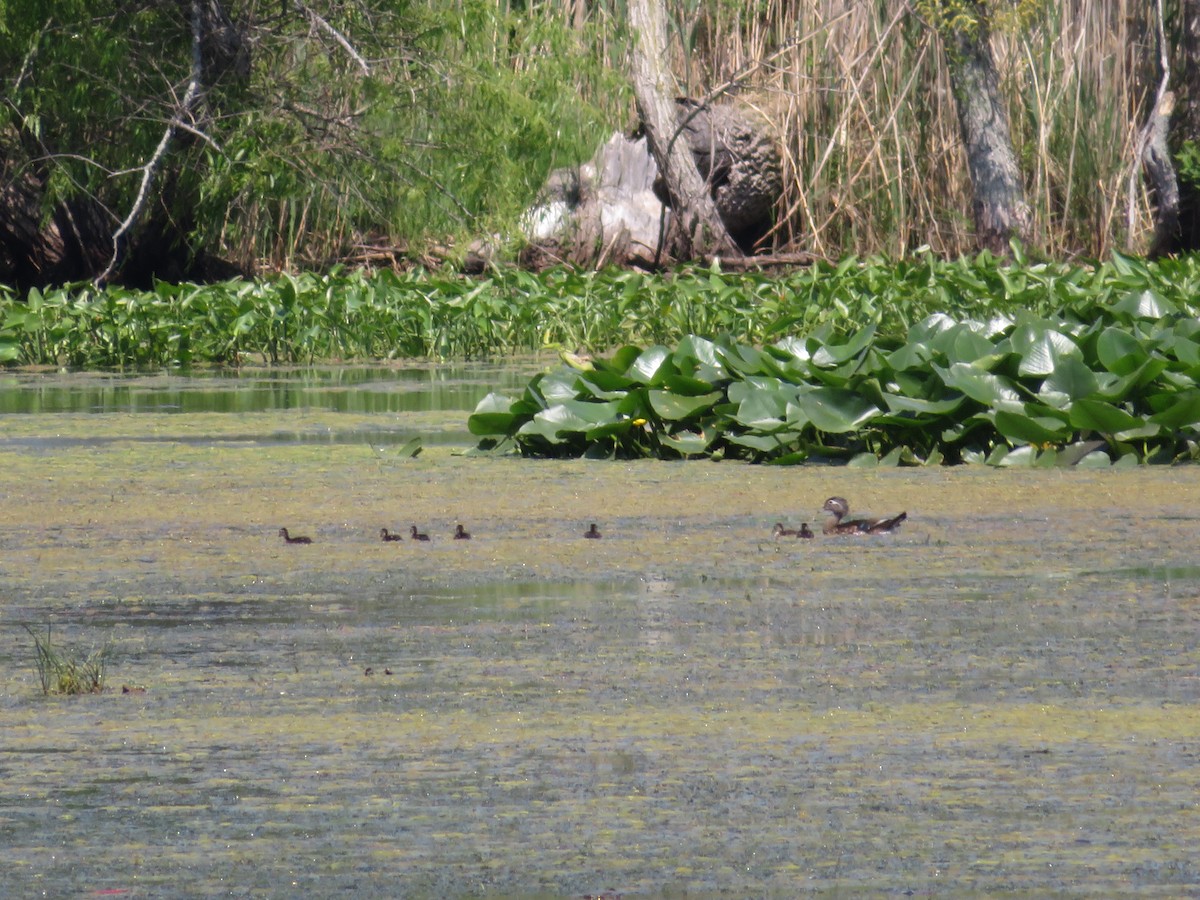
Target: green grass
60, 672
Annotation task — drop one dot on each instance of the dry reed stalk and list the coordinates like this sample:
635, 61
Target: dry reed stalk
867, 121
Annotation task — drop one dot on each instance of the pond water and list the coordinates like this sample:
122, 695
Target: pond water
1002, 698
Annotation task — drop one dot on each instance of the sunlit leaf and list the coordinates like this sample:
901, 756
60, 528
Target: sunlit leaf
834, 410
676, 407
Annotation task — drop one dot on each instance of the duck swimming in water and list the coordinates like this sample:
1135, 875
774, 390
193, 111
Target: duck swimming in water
461, 534
804, 532
298, 539
418, 535
592, 532
838, 508
779, 531
385, 536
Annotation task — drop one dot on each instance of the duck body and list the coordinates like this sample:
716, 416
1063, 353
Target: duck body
804, 532
385, 536
298, 539
779, 531
461, 534
838, 508
592, 533
418, 535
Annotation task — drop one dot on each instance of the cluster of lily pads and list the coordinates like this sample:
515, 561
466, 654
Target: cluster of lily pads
1113, 382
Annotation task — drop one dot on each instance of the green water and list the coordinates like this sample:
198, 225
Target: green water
1002, 699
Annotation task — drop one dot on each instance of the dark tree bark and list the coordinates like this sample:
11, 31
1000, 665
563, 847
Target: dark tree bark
1186, 127
697, 229
999, 206
1154, 153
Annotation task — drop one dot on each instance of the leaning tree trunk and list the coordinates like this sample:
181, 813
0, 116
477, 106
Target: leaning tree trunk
697, 227
1001, 212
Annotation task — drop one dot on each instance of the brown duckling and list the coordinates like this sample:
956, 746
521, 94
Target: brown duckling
385, 536
838, 508
592, 532
779, 531
461, 534
804, 532
418, 535
298, 539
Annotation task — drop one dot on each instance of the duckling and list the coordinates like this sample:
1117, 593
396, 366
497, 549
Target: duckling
418, 535
592, 532
804, 532
838, 508
779, 531
461, 534
385, 536
298, 539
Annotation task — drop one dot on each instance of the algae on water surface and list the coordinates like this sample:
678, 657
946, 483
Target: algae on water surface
1003, 697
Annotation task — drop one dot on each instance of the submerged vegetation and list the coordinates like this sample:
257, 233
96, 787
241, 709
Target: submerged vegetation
60, 672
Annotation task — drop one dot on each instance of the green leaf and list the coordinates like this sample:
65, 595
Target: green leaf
1043, 354
674, 407
1182, 410
834, 410
492, 415
1096, 415
650, 366
1119, 351
980, 386
1071, 377
687, 443
832, 355
1145, 305
1039, 430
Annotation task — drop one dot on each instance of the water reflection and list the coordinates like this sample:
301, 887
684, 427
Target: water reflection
334, 388
362, 390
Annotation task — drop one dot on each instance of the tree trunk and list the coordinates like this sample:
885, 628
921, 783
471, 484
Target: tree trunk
999, 203
1186, 128
697, 229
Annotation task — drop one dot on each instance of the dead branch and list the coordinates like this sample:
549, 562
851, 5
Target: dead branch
321, 23
191, 99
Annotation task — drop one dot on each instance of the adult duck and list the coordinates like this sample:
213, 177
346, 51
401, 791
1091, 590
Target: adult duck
461, 534
385, 536
418, 535
593, 533
838, 508
298, 539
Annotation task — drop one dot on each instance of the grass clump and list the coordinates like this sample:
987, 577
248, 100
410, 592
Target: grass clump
62, 672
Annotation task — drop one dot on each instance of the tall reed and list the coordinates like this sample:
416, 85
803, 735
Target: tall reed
861, 100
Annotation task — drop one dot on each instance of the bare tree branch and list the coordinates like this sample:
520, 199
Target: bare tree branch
190, 99
334, 33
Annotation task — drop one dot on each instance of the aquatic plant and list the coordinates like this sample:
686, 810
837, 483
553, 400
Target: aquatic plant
63, 673
388, 315
1093, 384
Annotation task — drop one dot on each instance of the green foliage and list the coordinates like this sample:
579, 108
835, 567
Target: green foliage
352, 315
1105, 378
464, 109
62, 673
1187, 161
